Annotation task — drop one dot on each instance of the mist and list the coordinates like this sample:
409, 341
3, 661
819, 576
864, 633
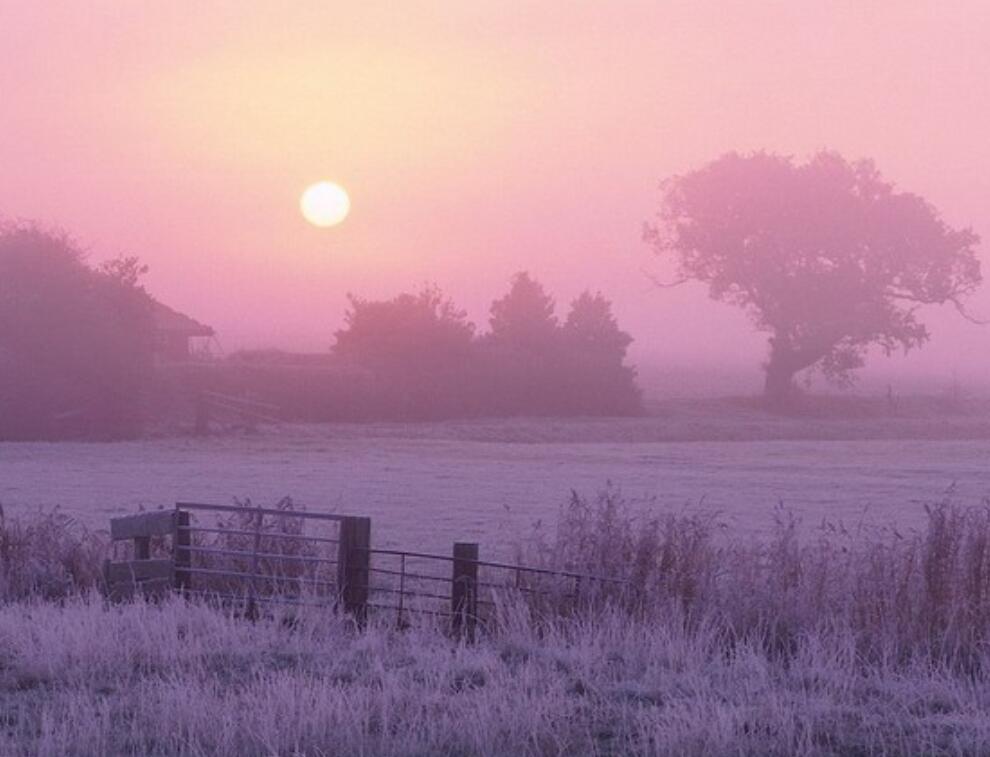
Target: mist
468, 377
475, 142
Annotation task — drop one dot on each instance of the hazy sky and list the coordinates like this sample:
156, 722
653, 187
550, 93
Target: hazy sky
475, 139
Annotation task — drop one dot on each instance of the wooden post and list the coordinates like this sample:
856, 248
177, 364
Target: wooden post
181, 540
464, 595
353, 562
141, 572
252, 604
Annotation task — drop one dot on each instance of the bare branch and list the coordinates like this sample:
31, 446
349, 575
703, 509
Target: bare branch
961, 309
664, 284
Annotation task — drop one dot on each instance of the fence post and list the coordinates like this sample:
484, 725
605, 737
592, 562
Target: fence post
252, 605
181, 540
353, 563
464, 593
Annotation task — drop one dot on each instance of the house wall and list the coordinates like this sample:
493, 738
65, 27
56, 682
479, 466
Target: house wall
172, 347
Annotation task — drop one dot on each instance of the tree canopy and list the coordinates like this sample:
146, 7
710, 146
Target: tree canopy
75, 343
524, 317
407, 332
825, 256
592, 329
593, 355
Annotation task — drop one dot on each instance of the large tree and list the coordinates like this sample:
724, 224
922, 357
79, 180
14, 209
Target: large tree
825, 256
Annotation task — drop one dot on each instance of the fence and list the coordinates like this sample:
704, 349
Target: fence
211, 405
273, 555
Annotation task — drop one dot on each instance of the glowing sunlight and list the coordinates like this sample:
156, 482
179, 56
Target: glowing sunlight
325, 204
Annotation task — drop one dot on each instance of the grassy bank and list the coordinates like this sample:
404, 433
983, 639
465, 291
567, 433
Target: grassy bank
814, 642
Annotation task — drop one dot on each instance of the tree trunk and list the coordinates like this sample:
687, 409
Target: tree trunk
786, 359
779, 387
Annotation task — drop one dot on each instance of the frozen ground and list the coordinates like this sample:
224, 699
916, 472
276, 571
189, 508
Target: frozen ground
428, 485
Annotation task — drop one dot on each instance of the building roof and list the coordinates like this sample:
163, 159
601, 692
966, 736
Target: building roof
170, 321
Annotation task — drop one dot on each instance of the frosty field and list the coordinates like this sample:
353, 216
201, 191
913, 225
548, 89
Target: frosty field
425, 486
754, 646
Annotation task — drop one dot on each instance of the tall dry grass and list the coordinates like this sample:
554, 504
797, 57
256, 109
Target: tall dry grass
900, 596
49, 555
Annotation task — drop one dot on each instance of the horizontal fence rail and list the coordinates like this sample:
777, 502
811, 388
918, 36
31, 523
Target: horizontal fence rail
263, 554
295, 514
208, 405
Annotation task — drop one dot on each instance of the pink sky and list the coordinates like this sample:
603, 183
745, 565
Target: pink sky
475, 139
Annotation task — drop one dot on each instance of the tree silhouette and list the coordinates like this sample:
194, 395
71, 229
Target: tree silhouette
594, 354
126, 269
524, 317
410, 332
825, 256
420, 359
591, 329
75, 343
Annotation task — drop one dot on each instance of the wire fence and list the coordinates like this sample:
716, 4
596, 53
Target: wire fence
262, 556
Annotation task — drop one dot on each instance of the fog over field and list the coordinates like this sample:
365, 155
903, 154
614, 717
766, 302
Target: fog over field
540, 140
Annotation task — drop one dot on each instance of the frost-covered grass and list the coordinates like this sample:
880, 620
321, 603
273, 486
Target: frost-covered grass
900, 596
175, 678
871, 642
49, 555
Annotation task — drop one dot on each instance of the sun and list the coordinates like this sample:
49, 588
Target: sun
325, 204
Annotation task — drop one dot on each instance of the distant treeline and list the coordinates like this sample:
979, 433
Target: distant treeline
430, 362
825, 257
77, 354
417, 357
